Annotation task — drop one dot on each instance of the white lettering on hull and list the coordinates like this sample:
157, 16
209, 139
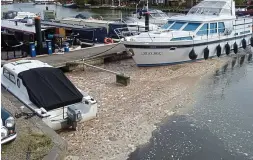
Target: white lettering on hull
151, 53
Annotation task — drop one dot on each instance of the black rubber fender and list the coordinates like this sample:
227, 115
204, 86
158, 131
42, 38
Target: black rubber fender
206, 53
235, 48
244, 43
227, 49
193, 55
251, 41
218, 49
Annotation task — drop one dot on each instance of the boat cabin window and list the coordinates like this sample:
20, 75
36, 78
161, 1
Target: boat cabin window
6, 73
203, 30
221, 27
177, 25
191, 26
9, 75
181, 38
213, 28
167, 25
18, 83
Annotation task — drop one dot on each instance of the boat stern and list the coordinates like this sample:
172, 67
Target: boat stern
83, 111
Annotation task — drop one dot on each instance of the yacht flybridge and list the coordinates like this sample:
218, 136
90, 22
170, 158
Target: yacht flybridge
209, 29
48, 93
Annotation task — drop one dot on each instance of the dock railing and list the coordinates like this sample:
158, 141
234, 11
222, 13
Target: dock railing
129, 31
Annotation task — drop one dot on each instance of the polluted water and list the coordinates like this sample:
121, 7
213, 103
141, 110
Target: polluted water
219, 125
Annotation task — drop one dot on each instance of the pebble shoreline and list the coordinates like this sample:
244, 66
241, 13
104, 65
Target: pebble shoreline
128, 115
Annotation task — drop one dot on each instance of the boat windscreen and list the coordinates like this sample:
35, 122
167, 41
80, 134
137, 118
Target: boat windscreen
49, 88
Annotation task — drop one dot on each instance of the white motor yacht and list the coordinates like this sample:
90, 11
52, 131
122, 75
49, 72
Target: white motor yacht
209, 29
48, 93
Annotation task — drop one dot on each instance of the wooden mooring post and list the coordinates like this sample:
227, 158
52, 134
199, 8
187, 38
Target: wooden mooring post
120, 77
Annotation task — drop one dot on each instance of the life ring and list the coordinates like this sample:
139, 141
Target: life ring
206, 53
227, 48
218, 48
251, 41
108, 40
235, 48
244, 43
193, 55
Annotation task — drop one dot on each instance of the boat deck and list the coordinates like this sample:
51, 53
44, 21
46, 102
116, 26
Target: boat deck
60, 60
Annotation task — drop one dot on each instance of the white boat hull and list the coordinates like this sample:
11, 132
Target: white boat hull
59, 121
158, 54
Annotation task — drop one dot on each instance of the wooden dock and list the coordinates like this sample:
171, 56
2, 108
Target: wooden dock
60, 60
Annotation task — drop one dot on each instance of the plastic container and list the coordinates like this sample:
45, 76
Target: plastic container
49, 46
32, 49
66, 49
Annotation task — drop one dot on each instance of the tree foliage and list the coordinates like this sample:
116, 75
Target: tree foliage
240, 2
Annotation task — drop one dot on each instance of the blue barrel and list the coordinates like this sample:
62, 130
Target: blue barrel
32, 49
66, 49
49, 46
66, 46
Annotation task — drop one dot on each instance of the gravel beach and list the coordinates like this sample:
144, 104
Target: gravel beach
127, 115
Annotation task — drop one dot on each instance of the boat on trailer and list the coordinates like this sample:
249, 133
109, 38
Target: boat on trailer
209, 29
48, 93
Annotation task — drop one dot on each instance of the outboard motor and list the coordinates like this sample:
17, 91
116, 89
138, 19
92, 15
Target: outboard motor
74, 116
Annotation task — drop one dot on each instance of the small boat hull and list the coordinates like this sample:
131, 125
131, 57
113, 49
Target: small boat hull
72, 5
60, 122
